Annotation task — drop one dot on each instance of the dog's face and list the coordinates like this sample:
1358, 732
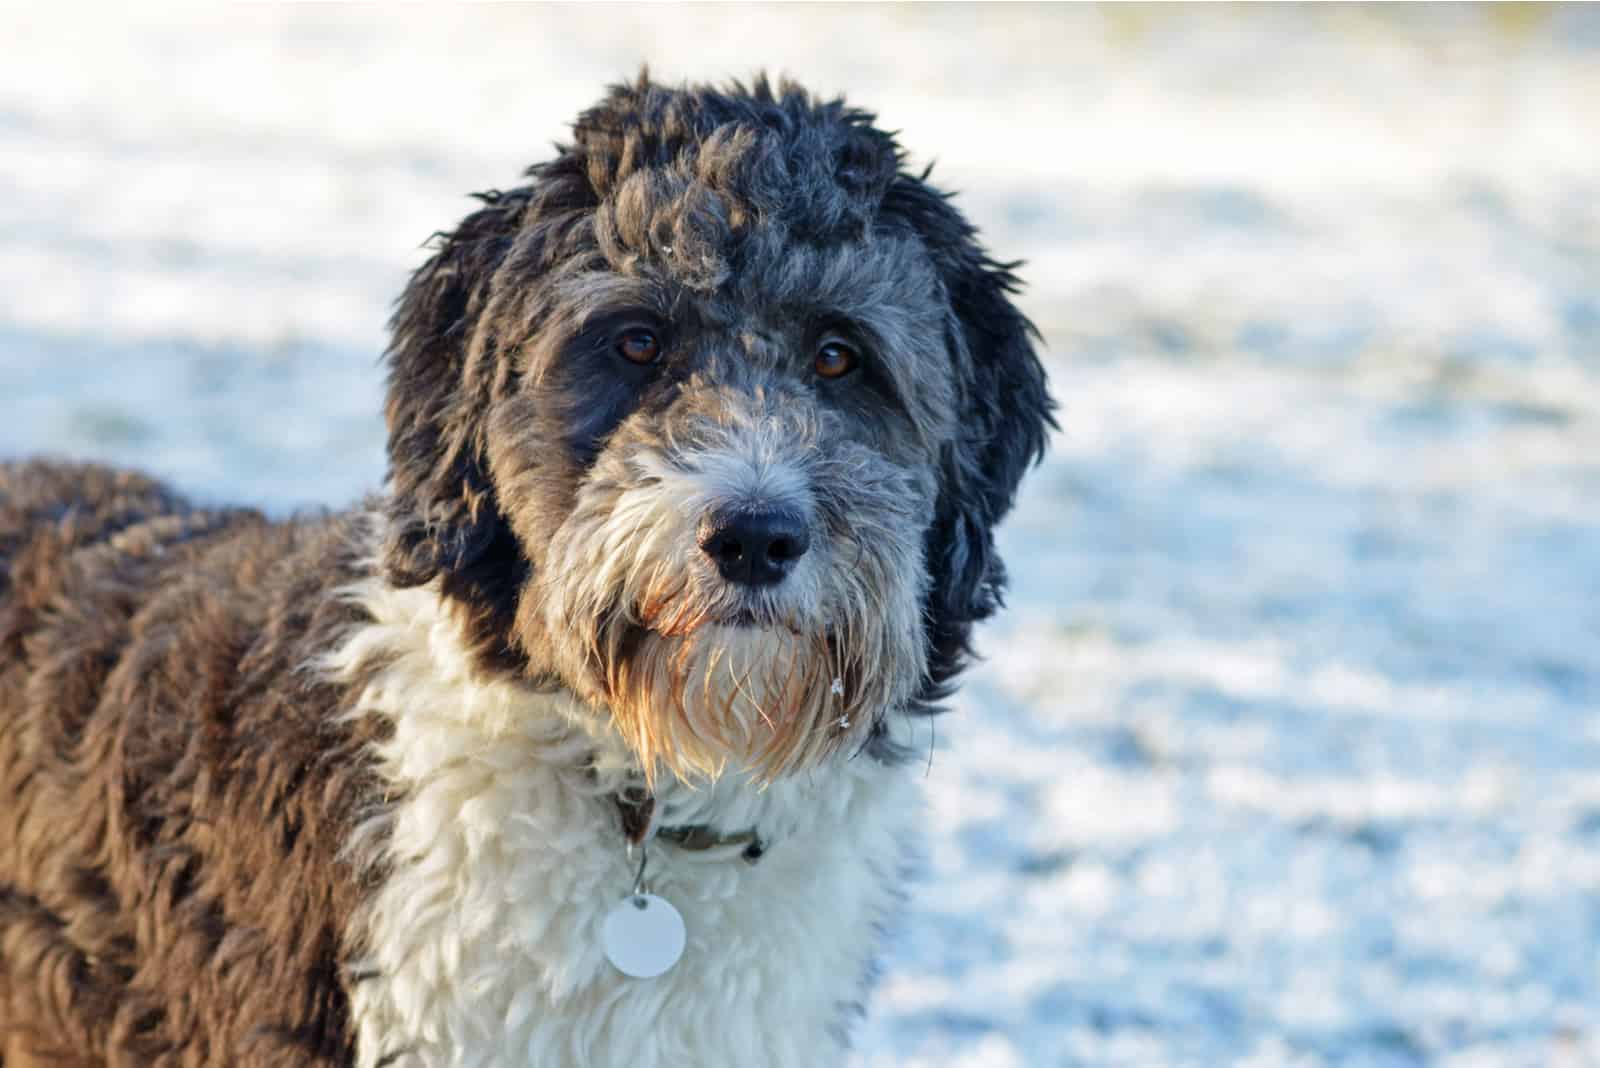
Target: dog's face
711, 423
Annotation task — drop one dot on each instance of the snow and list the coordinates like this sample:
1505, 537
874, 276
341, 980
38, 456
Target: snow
1284, 753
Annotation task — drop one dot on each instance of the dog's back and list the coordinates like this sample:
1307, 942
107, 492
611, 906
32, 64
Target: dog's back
174, 784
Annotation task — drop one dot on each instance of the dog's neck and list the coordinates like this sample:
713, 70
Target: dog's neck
416, 635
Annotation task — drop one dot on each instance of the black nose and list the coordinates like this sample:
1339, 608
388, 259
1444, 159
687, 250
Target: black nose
754, 548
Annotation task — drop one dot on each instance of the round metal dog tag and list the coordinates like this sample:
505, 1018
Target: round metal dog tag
643, 936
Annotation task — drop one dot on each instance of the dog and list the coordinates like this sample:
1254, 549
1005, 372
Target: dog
589, 741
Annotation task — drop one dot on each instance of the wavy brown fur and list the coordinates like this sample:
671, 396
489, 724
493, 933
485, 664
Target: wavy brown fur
174, 787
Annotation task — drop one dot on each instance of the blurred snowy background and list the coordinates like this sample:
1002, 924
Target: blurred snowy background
1285, 752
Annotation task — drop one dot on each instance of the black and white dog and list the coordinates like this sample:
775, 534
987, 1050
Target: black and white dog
584, 743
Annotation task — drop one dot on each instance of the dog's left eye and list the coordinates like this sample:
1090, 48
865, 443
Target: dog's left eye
835, 359
639, 346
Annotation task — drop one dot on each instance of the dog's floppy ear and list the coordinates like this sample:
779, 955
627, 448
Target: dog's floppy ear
441, 507
1004, 414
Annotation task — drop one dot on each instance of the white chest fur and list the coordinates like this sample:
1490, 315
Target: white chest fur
503, 856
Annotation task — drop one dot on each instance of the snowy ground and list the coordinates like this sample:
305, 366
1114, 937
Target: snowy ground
1284, 755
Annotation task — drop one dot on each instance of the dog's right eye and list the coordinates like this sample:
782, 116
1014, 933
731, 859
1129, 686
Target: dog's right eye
835, 359
639, 345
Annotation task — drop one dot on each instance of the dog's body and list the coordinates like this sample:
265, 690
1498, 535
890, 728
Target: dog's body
175, 786
696, 446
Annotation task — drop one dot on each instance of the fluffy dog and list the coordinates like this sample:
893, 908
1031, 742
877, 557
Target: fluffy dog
696, 444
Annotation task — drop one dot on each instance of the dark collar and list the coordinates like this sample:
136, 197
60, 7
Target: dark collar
637, 808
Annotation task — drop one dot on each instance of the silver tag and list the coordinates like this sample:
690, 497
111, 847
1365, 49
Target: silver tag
643, 936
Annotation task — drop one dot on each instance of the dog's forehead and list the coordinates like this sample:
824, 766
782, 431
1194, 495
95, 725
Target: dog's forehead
754, 225
781, 299
731, 274
779, 238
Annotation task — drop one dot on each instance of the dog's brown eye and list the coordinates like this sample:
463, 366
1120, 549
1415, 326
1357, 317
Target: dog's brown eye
835, 359
639, 346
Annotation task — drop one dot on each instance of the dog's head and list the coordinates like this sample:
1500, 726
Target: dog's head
711, 423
